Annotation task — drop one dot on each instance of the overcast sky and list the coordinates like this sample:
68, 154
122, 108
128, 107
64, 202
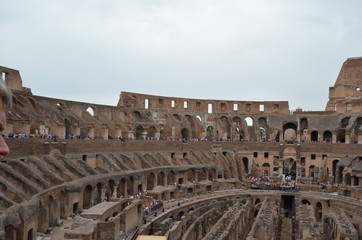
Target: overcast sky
91, 50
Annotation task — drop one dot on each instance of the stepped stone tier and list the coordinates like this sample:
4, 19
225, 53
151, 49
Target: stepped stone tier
180, 168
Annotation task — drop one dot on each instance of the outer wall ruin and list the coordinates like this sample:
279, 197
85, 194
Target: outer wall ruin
196, 159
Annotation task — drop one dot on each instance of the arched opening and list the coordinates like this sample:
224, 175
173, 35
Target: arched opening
121, 190
53, 212
341, 136
68, 128
201, 175
191, 175
90, 111
171, 178
225, 124
198, 118
318, 212
257, 201
212, 174
161, 179
138, 115
185, 133
311, 171
151, 133
289, 168
339, 174
87, 197
110, 189
327, 136
334, 167
179, 216
290, 132
348, 179
249, 121
177, 117
98, 196
210, 133
314, 136
305, 202
151, 181
266, 169
246, 164
130, 186
139, 132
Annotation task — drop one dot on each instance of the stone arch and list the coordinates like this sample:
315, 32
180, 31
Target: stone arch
138, 115
191, 175
305, 201
290, 132
289, 167
202, 174
311, 171
111, 190
319, 212
339, 174
212, 174
151, 181
246, 164
251, 128
171, 178
341, 136
347, 179
130, 186
249, 121
327, 136
185, 133
161, 179
98, 195
180, 215
226, 126
87, 197
177, 117
53, 212
121, 189
91, 111
139, 132
344, 122
263, 128
210, 132
314, 136
334, 167
266, 169
151, 133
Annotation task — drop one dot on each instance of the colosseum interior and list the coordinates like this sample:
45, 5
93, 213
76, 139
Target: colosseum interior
155, 167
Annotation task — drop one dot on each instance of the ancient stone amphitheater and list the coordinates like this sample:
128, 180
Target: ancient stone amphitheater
156, 167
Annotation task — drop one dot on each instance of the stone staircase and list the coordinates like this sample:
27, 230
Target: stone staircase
286, 229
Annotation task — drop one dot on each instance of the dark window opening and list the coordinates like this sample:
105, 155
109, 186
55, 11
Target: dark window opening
75, 207
255, 154
172, 155
266, 155
84, 158
302, 161
184, 154
313, 156
180, 180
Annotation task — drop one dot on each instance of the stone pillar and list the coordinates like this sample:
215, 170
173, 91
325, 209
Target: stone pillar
334, 137
348, 140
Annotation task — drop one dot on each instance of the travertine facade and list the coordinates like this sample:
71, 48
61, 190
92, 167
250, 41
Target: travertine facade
85, 163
